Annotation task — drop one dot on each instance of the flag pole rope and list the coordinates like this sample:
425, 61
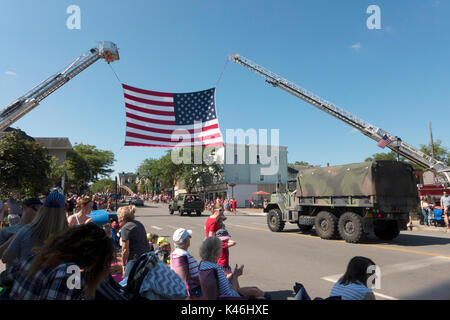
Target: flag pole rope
221, 74
112, 69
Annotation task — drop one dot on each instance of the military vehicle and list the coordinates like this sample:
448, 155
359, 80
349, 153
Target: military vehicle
187, 203
347, 201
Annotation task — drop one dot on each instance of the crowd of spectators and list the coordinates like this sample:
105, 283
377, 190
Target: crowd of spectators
44, 237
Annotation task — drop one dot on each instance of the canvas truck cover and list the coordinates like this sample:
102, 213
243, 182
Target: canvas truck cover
377, 178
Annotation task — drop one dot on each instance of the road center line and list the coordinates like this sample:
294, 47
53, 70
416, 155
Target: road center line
358, 244
157, 228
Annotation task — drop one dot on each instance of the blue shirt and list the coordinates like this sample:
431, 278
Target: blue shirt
350, 291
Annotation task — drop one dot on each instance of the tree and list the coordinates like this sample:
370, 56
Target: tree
56, 171
383, 156
440, 153
88, 164
103, 185
24, 166
302, 163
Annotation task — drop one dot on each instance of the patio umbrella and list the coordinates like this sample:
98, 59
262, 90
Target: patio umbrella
261, 192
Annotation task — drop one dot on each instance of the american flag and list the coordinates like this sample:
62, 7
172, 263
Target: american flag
160, 119
384, 142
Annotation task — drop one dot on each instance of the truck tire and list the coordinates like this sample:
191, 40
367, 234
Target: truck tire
181, 213
351, 227
199, 213
326, 225
275, 221
171, 210
386, 230
304, 228
189, 213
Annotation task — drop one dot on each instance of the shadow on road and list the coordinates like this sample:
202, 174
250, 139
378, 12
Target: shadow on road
404, 239
280, 295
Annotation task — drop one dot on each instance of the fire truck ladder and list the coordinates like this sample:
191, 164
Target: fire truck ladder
18, 108
441, 170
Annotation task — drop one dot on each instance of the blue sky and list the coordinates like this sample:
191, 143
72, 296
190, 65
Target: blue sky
396, 78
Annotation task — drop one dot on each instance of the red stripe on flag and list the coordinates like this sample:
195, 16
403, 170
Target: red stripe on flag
151, 102
138, 144
151, 93
175, 140
150, 111
133, 116
166, 131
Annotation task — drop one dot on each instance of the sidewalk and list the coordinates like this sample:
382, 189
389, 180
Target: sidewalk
418, 227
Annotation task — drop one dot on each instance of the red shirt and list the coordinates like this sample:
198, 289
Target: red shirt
211, 225
224, 255
234, 204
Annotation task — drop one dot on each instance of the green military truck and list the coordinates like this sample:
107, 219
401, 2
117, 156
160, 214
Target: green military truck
187, 203
348, 201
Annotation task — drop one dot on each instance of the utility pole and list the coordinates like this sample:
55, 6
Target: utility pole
431, 142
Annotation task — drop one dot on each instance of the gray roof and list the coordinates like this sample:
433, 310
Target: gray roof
55, 143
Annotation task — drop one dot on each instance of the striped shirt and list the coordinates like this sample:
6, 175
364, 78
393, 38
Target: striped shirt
350, 291
224, 284
193, 264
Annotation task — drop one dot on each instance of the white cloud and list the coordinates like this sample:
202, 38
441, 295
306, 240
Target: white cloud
10, 73
356, 46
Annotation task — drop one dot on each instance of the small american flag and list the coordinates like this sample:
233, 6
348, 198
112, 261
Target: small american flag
160, 119
384, 142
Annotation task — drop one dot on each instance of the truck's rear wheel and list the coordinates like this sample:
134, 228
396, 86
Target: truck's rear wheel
181, 213
386, 230
326, 225
351, 227
275, 221
199, 213
171, 210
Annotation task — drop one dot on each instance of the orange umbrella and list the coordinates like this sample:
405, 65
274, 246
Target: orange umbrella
261, 192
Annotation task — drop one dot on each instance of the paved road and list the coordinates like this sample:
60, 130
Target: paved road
416, 265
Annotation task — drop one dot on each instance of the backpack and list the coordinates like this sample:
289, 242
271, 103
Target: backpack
109, 289
160, 282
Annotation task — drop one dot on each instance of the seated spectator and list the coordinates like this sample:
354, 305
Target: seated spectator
353, 284
184, 264
85, 207
164, 250
45, 276
153, 240
30, 208
210, 252
50, 219
224, 259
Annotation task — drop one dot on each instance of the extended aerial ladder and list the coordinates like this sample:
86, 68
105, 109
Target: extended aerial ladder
440, 169
14, 111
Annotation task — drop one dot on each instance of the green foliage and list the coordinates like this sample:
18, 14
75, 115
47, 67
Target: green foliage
133, 187
440, 153
24, 166
88, 164
103, 185
383, 156
301, 163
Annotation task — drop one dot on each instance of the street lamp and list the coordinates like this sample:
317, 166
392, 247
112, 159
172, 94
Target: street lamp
232, 185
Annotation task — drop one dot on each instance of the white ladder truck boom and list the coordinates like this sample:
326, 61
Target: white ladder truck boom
440, 169
24, 104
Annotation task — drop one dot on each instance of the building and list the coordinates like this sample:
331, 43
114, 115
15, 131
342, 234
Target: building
251, 168
60, 148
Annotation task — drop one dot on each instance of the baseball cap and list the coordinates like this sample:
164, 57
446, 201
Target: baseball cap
180, 235
55, 200
32, 201
223, 234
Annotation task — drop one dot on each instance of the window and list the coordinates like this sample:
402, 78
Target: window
261, 178
235, 159
258, 161
279, 177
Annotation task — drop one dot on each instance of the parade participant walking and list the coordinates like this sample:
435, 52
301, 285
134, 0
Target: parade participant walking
50, 219
133, 238
85, 205
45, 276
233, 205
